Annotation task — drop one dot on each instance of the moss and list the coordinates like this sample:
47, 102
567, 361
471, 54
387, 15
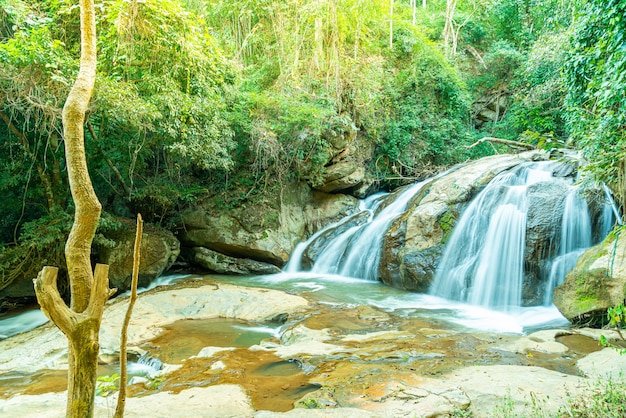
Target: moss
447, 221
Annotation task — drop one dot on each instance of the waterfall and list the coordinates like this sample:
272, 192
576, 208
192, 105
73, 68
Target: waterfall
576, 224
576, 236
496, 257
483, 263
356, 252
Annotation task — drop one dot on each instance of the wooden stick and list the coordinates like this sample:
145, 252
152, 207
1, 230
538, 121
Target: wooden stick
508, 142
121, 398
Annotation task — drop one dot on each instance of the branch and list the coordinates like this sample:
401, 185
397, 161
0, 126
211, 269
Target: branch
121, 397
50, 300
100, 291
507, 142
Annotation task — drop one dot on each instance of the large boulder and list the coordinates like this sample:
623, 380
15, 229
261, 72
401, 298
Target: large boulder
415, 240
543, 226
266, 232
597, 282
159, 250
341, 176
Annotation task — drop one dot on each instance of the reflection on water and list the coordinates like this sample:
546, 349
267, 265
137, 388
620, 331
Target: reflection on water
185, 338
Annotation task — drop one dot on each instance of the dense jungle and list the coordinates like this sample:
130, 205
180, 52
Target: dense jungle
239, 129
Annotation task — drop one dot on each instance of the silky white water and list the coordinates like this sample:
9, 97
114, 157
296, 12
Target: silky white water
356, 252
483, 262
576, 236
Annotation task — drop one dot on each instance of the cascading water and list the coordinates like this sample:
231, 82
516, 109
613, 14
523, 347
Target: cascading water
356, 252
498, 250
576, 236
483, 263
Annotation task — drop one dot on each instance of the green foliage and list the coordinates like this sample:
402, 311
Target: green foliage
595, 80
617, 316
309, 403
606, 399
501, 61
41, 243
427, 109
107, 385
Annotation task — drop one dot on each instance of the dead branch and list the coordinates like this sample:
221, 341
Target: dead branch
121, 399
507, 142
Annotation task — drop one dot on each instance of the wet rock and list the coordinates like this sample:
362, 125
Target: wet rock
313, 249
220, 263
47, 346
597, 283
266, 232
543, 226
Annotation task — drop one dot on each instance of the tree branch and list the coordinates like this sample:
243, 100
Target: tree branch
121, 397
507, 142
52, 305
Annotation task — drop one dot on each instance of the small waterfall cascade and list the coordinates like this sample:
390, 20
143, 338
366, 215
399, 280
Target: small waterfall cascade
367, 206
356, 252
512, 245
483, 263
576, 236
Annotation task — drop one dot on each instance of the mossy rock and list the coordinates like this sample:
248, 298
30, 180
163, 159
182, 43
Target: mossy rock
597, 283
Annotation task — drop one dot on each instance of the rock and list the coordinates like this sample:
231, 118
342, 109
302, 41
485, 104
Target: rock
266, 232
220, 263
341, 176
542, 341
47, 346
604, 364
521, 387
209, 402
543, 226
159, 250
597, 283
415, 240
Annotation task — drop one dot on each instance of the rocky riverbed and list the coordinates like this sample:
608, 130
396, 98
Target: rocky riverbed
234, 351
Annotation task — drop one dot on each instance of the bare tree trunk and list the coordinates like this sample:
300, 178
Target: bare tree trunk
88, 208
508, 142
448, 29
81, 321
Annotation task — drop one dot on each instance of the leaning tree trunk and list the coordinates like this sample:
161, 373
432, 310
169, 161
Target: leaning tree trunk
88, 291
